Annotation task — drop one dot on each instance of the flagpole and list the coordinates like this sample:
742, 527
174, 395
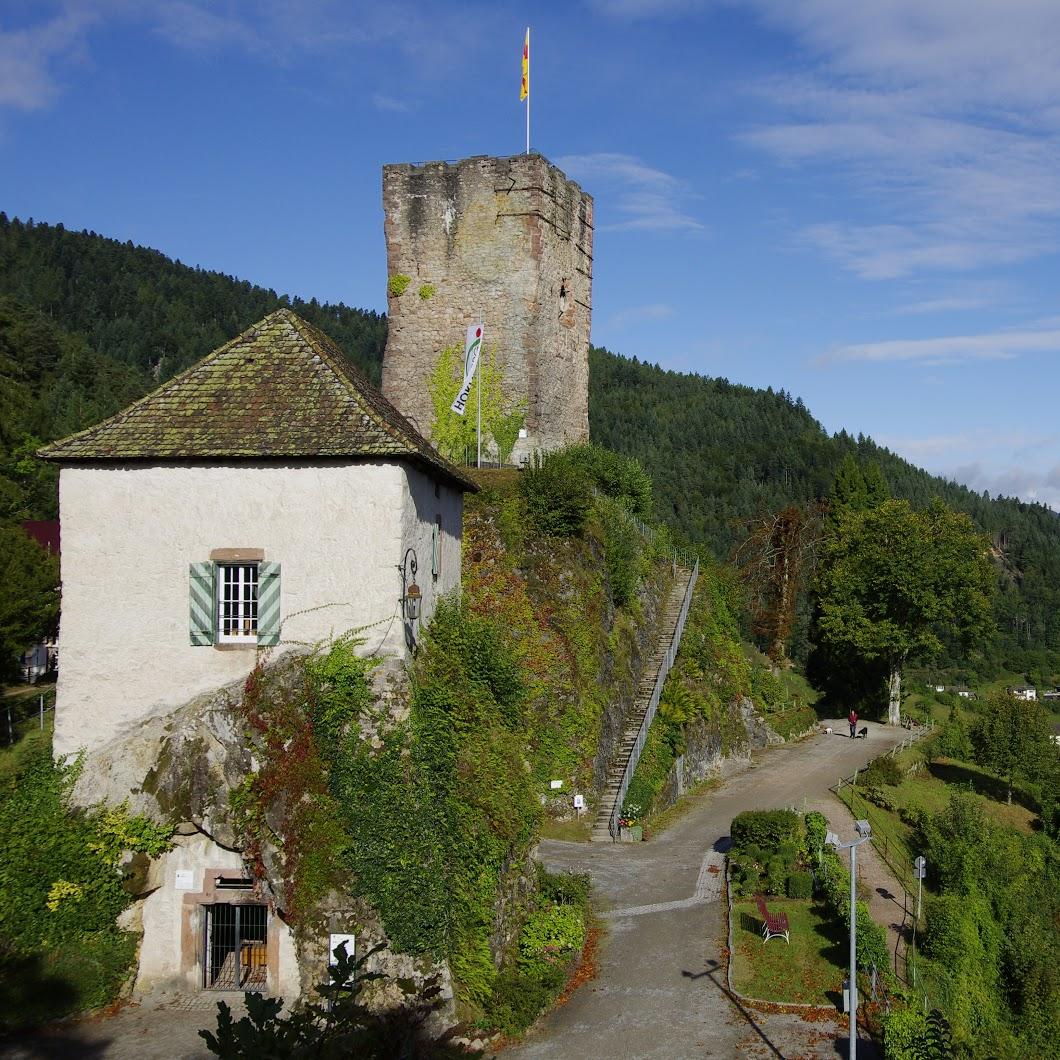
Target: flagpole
528, 90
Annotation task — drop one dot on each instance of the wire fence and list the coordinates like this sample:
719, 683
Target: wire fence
25, 711
889, 844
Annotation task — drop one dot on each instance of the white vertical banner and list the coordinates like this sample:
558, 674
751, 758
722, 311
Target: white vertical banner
472, 349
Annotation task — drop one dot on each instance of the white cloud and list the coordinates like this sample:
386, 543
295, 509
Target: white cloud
954, 349
942, 114
1042, 486
638, 9
637, 196
427, 38
28, 57
948, 304
1018, 463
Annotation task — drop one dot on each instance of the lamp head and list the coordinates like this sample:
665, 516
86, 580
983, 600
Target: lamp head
413, 597
832, 840
864, 829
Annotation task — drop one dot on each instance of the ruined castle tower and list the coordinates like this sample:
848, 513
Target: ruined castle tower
508, 241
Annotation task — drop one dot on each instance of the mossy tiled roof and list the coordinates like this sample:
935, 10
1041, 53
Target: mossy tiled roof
281, 389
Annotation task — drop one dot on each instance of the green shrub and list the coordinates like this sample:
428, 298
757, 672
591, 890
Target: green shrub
338, 1025
764, 828
558, 494
398, 284
755, 853
617, 476
776, 876
885, 770
565, 888
816, 825
800, 884
833, 882
60, 949
951, 936
955, 740
551, 934
624, 551
903, 1032
520, 996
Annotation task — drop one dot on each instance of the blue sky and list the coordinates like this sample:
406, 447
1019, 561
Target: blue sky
858, 202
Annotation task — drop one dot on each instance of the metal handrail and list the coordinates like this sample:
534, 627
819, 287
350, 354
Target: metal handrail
653, 703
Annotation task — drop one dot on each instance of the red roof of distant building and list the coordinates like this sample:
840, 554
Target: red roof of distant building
45, 532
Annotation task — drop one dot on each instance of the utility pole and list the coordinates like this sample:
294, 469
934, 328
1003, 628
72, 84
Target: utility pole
864, 830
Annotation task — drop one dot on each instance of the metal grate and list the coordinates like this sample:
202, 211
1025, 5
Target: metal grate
237, 589
236, 947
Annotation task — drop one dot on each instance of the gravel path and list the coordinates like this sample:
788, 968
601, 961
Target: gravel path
660, 991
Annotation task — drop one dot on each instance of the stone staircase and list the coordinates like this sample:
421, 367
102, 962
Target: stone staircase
671, 625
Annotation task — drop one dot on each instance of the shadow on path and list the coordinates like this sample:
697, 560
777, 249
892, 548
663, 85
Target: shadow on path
714, 966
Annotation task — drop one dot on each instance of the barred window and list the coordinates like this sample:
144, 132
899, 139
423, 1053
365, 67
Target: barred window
237, 602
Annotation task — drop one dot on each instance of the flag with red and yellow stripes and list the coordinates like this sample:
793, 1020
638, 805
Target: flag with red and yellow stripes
524, 88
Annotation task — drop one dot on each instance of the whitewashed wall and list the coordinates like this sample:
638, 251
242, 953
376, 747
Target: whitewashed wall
425, 499
171, 917
130, 532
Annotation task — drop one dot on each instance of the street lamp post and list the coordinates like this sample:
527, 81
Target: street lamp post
864, 830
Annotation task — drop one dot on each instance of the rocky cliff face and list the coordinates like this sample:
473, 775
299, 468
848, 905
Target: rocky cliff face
182, 769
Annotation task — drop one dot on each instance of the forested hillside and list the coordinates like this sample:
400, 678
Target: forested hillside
721, 453
88, 323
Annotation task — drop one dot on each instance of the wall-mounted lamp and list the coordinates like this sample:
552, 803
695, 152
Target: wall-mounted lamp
411, 597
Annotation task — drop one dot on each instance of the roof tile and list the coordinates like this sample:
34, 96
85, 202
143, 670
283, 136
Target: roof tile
281, 389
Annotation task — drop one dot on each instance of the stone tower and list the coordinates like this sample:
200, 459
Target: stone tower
508, 241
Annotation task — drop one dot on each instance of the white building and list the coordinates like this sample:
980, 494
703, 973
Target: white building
1026, 692
269, 495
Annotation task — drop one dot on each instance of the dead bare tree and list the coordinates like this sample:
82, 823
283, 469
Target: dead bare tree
775, 560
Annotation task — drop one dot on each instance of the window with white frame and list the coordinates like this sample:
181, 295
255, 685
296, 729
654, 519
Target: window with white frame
234, 599
237, 602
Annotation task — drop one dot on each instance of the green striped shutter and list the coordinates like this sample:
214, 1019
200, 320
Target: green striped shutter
202, 597
268, 604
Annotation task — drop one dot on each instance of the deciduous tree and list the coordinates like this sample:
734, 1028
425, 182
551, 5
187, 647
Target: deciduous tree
1012, 738
29, 597
895, 580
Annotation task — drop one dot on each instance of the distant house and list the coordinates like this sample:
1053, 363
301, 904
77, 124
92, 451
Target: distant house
960, 690
39, 661
269, 495
1025, 692
1052, 695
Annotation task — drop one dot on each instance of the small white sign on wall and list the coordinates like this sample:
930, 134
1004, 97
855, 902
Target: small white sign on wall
334, 941
554, 784
184, 880
579, 802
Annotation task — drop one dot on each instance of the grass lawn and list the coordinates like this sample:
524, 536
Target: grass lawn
573, 831
807, 971
930, 788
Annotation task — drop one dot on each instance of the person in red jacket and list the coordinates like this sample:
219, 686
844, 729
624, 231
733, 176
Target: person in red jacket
853, 719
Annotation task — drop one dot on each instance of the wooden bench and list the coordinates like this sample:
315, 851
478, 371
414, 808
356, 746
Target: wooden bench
774, 925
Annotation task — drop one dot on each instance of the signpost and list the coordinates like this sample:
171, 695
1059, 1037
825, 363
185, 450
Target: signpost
919, 871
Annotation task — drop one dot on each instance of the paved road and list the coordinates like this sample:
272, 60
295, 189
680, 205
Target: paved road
660, 991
